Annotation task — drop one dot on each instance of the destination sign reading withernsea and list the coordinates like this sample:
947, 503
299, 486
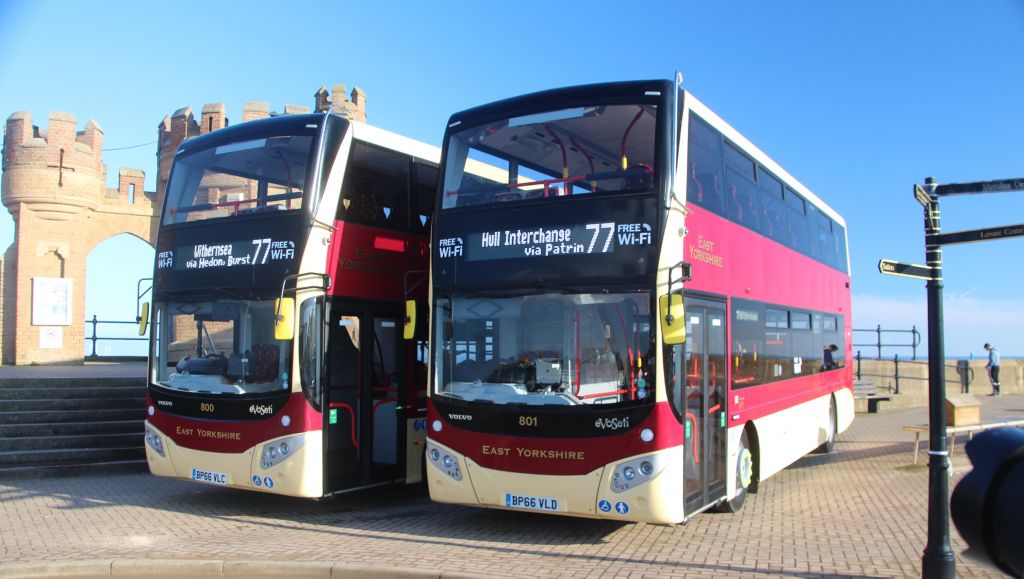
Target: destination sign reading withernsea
609, 239
202, 256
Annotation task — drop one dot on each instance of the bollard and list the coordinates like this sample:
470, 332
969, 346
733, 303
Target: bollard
964, 370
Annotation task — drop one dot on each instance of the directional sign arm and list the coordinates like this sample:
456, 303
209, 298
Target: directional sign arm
890, 267
972, 235
999, 186
922, 197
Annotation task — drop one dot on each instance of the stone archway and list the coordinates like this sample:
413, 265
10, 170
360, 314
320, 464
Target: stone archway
54, 187
114, 269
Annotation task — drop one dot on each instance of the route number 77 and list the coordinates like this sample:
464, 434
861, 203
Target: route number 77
597, 227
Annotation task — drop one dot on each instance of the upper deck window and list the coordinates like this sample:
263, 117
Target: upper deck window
577, 151
257, 175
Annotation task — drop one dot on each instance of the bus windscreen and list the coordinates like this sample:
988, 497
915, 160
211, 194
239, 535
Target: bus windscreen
253, 176
574, 151
544, 350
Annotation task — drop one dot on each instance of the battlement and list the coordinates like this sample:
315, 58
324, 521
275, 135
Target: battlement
182, 125
59, 143
350, 106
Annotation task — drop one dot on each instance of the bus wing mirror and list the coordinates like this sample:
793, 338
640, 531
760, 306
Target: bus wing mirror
673, 319
409, 331
415, 320
143, 318
284, 313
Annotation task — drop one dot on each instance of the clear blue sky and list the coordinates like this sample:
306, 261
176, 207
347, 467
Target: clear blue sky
858, 100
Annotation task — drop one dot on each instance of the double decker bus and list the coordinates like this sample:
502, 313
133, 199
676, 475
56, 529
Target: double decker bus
630, 321
286, 250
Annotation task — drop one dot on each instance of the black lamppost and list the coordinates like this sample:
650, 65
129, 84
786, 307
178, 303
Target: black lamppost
938, 559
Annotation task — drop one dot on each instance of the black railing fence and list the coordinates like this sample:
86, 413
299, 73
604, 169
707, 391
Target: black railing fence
889, 369
881, 334
95, 323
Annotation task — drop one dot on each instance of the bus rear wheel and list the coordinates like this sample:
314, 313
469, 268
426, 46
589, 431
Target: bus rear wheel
744, 476
830, 442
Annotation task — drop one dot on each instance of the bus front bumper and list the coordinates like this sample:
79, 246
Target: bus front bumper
611, 492
298, 475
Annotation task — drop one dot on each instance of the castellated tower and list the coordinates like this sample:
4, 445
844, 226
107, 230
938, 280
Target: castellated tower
54, 185
182, 125
353, 107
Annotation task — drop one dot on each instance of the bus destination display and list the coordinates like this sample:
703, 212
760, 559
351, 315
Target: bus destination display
576, 239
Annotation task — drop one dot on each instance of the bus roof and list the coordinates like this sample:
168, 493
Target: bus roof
286, 123
394, 141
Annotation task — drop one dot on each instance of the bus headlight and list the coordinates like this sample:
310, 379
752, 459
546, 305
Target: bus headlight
154, 441
636, 472
275, 452
444, 461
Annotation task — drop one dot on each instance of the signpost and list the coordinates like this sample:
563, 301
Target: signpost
938, 559
1000, 186
972, 235
891, 267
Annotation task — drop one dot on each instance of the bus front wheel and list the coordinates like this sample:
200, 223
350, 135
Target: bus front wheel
744, 476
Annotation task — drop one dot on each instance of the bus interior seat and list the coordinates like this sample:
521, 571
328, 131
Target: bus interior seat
264, 362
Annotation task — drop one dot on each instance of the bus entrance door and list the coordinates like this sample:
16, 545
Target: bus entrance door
704, 424
364, 405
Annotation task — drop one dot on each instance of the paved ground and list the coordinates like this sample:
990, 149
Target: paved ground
860, 511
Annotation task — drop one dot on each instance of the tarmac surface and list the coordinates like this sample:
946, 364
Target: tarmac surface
859, 512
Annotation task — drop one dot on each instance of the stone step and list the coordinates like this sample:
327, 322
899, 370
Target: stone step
61, 416
74, 393
30, 444
72, 428
75, 468
63, 383
59, 457
65, 404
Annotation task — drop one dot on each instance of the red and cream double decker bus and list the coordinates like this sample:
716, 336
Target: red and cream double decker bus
634, 318
286, 251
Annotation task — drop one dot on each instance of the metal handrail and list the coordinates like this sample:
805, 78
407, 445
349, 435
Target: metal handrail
96, 338
896, 376
915, 340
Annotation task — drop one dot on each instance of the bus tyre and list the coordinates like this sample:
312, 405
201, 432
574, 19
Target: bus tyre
744, 475
830, 442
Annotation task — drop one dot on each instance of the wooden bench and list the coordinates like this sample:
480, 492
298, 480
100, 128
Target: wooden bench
952, 431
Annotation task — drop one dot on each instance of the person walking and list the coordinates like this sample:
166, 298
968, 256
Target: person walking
993, 368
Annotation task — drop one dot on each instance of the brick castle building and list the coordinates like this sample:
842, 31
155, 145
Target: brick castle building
54, 186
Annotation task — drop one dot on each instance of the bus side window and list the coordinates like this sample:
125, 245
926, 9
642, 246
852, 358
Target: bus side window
424, 196
748, 351
376, 188
705, 183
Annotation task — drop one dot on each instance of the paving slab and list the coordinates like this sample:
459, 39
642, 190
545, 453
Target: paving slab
860, 512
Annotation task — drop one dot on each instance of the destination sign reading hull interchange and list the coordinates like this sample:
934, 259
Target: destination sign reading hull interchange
227, 254
551, 241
